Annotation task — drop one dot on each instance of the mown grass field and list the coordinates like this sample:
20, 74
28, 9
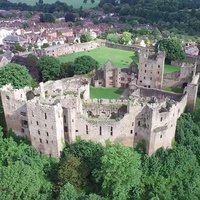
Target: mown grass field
119, 58
74, 3
105, 93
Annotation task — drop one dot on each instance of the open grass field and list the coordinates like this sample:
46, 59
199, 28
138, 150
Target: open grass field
105, 93
119, 58
74, 3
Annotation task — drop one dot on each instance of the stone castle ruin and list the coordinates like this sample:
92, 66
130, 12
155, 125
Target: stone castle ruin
60, 111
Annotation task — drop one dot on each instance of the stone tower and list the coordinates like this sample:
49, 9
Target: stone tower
151, 69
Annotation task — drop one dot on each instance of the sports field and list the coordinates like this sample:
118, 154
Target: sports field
119, 58
105, 93
74, 3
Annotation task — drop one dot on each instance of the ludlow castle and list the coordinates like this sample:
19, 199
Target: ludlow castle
59, 111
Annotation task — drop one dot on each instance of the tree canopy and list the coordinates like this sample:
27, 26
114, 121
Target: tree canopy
172, 48
50, 68
84, 65
15, 74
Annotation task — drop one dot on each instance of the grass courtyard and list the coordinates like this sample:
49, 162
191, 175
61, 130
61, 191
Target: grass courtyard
120, 58
74, 3
105, 93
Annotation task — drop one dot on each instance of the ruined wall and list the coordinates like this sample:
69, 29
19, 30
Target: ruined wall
15, 110
67, 49
151, 69
46, 127
192, 90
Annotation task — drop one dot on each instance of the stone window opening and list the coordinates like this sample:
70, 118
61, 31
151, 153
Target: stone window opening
7, 97
25, 123
23, 113
45, 115
140, 81
111, 131
38, 132
158, 72
145, 65
135, 133
139, 123
32, 114
144, 77
40, 140
22, 130
76, 131
87, 132
145, 71
151, 78
161, 119
131, 131
45, 125
47, 141
132, 123
158, 66
65, 119
37, 122
100, 130
47, 133
161, 136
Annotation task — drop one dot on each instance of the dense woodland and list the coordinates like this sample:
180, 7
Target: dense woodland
180, 16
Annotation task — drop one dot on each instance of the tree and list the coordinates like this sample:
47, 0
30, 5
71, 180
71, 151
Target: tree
66, 70
47, 17
172, 48
23, 171
86, 37
50, 68
68, 192
113, 37
84, 65
119, 172
126, 38
70, 17
31, 63
18, 48
45, 45
198, 43
15, 74
72, 170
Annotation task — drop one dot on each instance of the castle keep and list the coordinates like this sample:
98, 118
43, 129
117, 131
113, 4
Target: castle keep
59, 111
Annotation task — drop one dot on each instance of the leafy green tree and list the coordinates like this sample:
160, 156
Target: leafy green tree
1, 51
45, 45
23, 171
66, 70
86, 37
47, 17
15, 74
126, 38
85, 64
50, 68
68, 192
113, 37
173, 49
72, 170
119, 172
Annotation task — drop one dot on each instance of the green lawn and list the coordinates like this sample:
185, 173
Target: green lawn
171, 68
74, 3
105, 93
120, 58
173, 89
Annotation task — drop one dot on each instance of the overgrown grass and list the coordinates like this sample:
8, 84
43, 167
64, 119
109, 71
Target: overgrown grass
119, 58
105, 93
173, 89
171, 68
74, 3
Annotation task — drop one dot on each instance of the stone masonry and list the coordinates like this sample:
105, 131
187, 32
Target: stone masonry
60, 111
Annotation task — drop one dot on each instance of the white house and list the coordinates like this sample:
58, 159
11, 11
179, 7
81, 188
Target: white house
4, 32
